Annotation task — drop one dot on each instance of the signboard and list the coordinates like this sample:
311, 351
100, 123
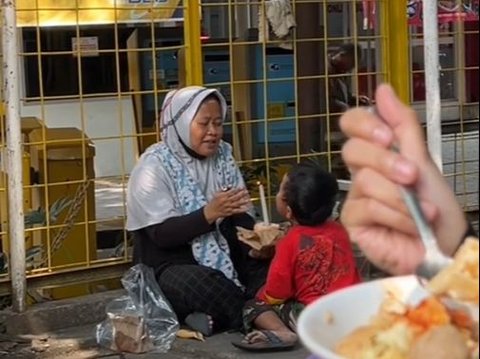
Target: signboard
89, 12
85, 46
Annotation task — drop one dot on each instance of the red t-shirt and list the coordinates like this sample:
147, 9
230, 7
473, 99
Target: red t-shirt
310, 262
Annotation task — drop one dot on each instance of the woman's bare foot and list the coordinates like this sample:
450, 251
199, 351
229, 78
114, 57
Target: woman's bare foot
200, 322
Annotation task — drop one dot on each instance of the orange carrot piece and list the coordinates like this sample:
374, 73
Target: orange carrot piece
430, 312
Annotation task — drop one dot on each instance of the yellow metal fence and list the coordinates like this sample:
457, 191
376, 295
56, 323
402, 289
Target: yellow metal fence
94, 74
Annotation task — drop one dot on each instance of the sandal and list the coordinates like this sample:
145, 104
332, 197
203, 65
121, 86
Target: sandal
271, 343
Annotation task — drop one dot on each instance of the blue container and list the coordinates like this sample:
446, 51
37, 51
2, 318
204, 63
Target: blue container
280, 96
166, 72
216, 74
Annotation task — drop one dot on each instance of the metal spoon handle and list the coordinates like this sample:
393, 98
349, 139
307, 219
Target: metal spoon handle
434, 259
413, 205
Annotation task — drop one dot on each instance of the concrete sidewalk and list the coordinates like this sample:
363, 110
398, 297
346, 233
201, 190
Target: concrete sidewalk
66, 329
79, 343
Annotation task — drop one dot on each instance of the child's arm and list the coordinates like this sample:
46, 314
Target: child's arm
279, 286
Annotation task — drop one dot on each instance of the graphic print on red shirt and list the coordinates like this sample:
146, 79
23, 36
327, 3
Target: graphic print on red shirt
310, 262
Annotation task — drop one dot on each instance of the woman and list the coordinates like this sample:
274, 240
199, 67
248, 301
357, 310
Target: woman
374, 212
185, 197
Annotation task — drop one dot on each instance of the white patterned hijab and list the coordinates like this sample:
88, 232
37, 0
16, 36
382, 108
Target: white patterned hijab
168, 181
178, 110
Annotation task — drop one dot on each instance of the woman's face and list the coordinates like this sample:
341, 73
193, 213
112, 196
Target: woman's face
206, 128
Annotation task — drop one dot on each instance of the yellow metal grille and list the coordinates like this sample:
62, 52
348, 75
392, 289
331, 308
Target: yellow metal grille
278, 88
103, 67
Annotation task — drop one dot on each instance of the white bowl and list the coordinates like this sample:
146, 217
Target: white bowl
323, 323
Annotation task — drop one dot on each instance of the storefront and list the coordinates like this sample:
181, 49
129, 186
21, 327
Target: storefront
459, 60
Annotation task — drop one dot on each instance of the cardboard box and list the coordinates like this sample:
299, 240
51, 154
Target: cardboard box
27, 125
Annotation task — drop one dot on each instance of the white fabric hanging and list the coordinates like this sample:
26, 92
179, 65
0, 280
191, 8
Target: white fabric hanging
277, 16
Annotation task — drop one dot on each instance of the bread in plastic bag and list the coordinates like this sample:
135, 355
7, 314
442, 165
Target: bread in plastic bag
141, 321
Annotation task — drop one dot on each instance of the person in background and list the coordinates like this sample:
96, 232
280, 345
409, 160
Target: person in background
374, 212
185, 197
313, 259
340, 98
340, 63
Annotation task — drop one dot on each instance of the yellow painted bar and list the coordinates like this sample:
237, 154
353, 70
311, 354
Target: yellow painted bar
193, 45
383, 31
65, 12
397, 50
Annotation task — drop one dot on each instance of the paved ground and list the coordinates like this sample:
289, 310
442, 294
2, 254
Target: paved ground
79, 343
66, 329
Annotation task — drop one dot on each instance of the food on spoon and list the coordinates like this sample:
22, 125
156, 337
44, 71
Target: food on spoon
430, 329
460, 279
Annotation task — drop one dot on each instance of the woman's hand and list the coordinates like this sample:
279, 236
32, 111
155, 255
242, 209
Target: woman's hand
374, 212
227, 203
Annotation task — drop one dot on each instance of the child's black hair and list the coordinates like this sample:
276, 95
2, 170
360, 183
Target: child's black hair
310, 192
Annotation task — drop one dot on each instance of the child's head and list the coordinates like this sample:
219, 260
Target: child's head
307, 194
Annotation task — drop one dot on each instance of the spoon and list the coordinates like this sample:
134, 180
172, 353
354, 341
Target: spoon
434, 260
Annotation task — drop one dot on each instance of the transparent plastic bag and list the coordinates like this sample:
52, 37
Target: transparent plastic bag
141, 321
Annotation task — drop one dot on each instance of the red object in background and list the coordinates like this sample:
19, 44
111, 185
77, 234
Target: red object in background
467, 13
418, 83
204, 35
471, 60
414, 12
369, 10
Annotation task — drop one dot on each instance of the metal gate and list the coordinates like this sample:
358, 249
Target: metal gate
92, 76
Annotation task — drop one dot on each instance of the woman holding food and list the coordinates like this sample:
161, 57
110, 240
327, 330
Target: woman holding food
185, 197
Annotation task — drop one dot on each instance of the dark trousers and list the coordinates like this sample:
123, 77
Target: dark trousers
194, 288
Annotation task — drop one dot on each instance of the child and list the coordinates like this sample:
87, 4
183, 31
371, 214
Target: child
313, 259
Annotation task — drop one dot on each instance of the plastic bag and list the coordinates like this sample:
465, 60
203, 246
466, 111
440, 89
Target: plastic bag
140, 321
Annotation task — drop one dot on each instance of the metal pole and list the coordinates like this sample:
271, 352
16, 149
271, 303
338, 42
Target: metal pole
16, 228
432, 81
312, 127
193, 45
395, 60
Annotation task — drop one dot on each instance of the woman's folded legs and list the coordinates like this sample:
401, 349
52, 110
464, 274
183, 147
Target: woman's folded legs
198, 289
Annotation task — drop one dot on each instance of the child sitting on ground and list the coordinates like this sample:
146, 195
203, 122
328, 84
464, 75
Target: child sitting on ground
313, 259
